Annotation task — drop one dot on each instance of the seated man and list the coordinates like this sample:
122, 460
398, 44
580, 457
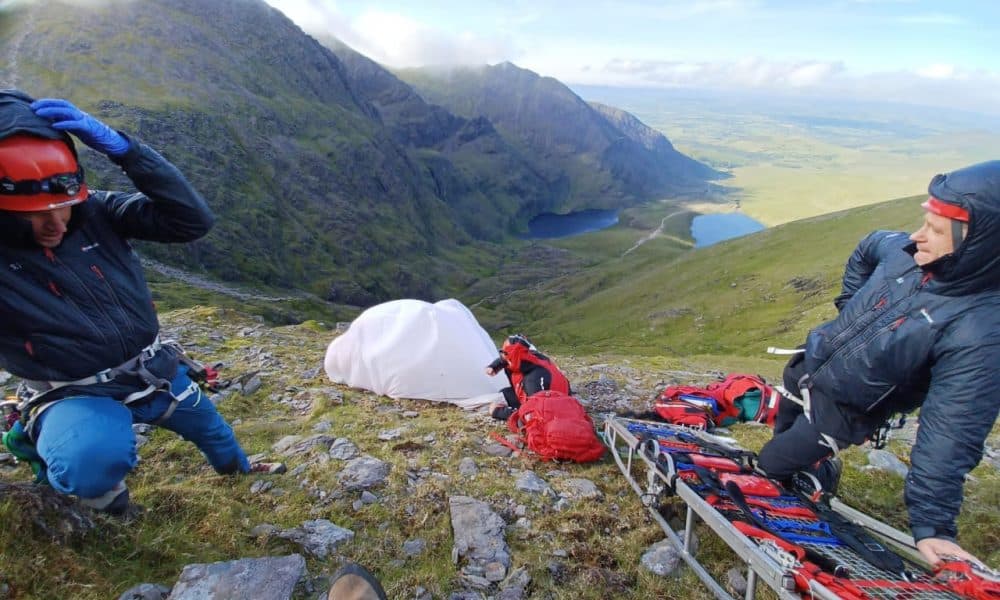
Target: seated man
919, 326
529, 372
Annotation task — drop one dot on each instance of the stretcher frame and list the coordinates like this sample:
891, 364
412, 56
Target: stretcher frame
638, 459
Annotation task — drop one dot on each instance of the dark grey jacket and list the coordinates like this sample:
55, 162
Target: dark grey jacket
909, 337
84, 306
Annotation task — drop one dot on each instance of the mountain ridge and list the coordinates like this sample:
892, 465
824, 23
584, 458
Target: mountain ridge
543, 116
328, 174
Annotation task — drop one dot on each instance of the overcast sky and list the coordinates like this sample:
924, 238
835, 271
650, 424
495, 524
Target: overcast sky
944, 53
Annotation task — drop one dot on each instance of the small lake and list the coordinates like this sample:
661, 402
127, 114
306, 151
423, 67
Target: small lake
550, 226
714, 228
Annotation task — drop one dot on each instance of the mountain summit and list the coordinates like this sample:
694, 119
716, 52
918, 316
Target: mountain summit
604, 156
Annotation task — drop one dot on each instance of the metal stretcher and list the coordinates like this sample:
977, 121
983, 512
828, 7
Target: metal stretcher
638, 448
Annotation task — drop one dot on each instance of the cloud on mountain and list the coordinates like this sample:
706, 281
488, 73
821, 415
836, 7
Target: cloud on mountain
750, 72
396, 40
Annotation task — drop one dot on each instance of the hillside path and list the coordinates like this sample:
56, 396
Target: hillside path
214, 286
22, 34
658, 232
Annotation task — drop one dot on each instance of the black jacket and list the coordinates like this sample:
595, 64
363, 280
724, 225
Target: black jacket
85, 306
909, 337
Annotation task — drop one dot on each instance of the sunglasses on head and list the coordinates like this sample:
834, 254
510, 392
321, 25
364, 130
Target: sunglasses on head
63, 183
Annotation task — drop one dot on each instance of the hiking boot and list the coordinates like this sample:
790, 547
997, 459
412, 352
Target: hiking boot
354, 582
502, 413
113, 502
828, 472
819, 483
268, 468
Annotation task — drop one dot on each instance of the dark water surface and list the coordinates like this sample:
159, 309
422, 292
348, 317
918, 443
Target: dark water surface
549, 226
714, 228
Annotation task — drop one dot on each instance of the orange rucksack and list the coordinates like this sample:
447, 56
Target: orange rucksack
737, 398
555, 426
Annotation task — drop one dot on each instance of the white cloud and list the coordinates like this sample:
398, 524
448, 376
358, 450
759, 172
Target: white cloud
313, 16
395, 39
678, 10
399, 41
935, 85
937, 71
814, 73
977, 90
748, 72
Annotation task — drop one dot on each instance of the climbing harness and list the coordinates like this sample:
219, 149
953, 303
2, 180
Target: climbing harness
33, 395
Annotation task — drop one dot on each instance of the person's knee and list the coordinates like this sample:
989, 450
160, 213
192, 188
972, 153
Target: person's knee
89, 466
767, 460
87, 444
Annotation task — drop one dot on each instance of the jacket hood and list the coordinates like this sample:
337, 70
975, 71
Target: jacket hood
975, 265
16, 117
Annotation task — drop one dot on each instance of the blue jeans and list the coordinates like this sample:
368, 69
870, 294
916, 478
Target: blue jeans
88, 444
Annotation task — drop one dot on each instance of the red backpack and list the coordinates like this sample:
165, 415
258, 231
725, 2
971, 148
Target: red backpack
555, 426
737, 398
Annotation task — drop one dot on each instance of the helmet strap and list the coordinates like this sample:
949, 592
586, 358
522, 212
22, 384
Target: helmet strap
956, 234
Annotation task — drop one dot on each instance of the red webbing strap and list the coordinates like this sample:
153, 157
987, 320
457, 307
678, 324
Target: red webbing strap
496, 436
960, 576
798, 512
807, 571
686, 446
757, 533
906, 586
843, 588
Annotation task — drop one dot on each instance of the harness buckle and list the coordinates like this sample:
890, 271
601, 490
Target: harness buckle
104, 376
150, 351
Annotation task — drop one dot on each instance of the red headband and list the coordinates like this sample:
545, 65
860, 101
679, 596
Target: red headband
951, 211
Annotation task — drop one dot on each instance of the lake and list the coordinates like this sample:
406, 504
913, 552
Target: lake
550, 226
714, 228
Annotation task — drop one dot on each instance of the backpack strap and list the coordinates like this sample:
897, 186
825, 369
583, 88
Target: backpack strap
504, 441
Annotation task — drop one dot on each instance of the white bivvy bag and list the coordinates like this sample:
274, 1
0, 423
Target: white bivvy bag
415, 349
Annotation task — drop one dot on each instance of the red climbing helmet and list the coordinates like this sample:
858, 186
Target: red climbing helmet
39, 174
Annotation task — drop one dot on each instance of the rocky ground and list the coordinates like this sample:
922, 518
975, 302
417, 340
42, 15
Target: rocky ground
418, 492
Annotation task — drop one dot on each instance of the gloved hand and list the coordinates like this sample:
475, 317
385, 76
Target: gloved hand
17, 441
66, 117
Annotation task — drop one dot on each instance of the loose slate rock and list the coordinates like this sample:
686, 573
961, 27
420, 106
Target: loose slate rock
246, 579
364, 472
344, 449
478, 533
146, 591
496, 449
577, 488
529, 482
661, 559
884, 460
414, 547
319, 537
468, 467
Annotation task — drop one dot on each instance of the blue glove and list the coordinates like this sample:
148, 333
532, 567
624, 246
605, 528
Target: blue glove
66, 117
